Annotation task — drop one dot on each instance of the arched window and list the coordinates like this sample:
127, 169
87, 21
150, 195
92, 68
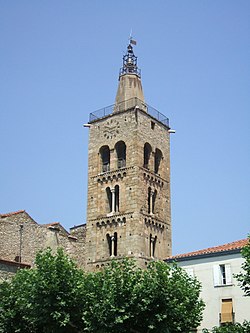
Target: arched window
115, 244
109, 244
149, 200
120, 148
158, 158
153, 201
113, 199
147, 154
117, 198
112, 244
109, 197
105, 158
152, 245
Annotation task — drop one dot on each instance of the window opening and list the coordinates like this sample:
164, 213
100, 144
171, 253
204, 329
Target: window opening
117, 198
226, 315
105, 158
158, 158
147, 153
113, 196
153, 201
109, 196
149, 200
121, 154
115, 244
222, 275
112, 244
152, 245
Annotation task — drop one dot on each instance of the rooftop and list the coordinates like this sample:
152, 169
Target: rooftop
220, 249
12, 213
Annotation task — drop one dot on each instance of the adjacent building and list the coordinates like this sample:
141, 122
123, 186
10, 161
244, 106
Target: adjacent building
215, 268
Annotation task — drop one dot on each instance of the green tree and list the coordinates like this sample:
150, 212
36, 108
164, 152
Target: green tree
230, 328
44, 299
57, 297
244, 277
125, 298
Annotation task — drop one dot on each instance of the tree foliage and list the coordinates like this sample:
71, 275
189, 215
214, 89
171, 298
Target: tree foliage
231, 328
244, 277
57, 297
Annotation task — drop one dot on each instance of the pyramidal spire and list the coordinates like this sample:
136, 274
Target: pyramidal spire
129, 92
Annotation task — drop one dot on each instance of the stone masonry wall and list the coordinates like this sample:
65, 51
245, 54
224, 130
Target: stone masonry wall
19, 229
134, 225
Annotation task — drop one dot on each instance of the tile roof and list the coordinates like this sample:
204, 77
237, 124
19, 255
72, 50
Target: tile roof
237, 245
12, 213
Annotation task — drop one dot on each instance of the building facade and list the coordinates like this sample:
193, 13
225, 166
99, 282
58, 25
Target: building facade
22, 237
215, 268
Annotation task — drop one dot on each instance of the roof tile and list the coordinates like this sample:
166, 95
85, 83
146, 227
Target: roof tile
216, 249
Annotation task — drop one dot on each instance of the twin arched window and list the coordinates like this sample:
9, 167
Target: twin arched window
120, 149
147, 157
151, 200
113, 197
112, 244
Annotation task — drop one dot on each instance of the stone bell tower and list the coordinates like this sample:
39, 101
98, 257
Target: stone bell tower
128, 177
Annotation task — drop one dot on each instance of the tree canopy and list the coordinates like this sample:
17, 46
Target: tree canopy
244, 277
230, 328
57, 297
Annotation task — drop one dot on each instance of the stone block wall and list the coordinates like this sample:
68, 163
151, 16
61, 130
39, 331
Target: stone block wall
9, 268
134, 225
21, 236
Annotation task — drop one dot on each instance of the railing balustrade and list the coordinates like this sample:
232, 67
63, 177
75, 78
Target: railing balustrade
132, 103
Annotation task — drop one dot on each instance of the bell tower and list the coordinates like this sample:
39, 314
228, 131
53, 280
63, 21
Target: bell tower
128, 212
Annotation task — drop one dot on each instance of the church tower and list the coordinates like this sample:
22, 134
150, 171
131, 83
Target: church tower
128, 212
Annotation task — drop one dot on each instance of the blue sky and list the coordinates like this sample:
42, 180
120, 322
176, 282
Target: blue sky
60, 61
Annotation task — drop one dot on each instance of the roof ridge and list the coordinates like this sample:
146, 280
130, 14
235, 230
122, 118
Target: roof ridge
214, 249
12, 213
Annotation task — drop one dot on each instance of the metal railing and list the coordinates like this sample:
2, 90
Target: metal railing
121, 164
106, 167
132, 103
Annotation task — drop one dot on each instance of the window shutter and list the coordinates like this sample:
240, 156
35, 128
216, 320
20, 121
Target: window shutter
228, 274
227, 311
217, 280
